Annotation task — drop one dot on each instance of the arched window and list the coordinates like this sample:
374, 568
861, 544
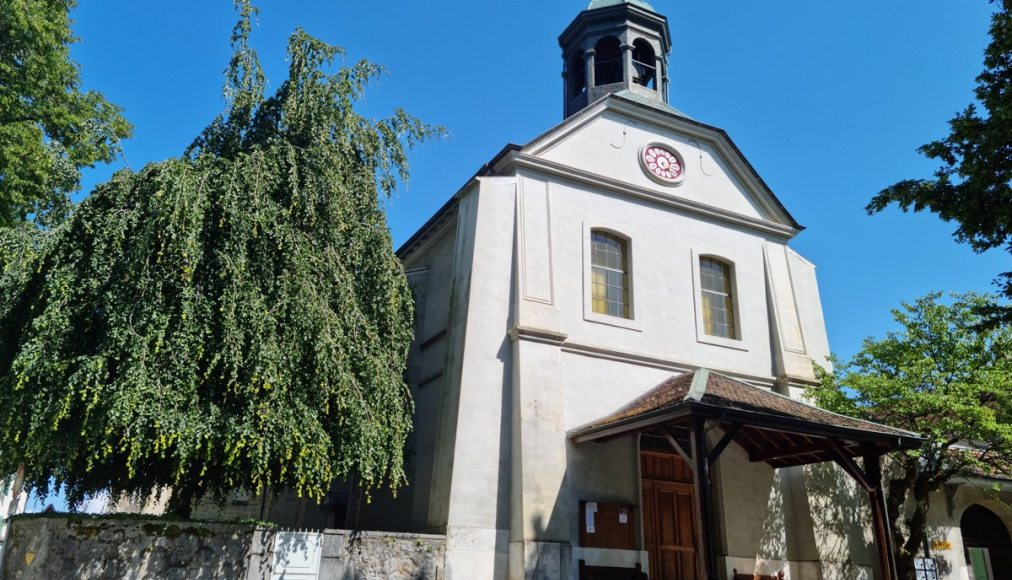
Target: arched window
717, 294
609, 267
607, 61
644, 64
577, 75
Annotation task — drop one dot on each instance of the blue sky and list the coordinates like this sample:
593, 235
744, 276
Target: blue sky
829, 101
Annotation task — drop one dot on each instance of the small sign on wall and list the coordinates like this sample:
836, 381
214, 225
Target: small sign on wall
607, 525
941, 545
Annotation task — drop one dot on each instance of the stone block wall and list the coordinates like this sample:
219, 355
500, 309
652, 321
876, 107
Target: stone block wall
102, 548
93, 548
382, 555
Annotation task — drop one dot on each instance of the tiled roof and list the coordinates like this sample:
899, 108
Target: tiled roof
713, 389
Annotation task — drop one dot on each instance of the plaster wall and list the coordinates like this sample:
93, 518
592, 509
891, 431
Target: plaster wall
609, 145
477, 524
430, 274
665, 245
945, 539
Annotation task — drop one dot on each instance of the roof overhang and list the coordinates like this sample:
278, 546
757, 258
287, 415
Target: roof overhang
776, 438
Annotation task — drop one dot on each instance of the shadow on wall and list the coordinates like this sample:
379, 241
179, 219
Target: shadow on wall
841, 520
944, 558
297, 553
550, 560
772, 549
502, 512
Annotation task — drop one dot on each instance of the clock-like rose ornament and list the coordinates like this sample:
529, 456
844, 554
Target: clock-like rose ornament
662, 164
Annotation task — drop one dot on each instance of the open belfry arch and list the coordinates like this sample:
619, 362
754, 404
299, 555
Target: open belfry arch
771, 428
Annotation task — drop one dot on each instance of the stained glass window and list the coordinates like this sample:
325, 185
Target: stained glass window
609, 274
718, 302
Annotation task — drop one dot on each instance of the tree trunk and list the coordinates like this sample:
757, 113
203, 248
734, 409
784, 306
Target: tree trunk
895, 500
918, 524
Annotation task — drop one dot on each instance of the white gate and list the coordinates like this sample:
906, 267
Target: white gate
297, 555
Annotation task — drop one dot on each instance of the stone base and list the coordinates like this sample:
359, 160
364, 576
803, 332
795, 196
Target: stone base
473, 553
540, 561
795, 570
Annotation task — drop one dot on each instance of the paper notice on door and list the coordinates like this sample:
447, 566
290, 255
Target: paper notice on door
623, 516
591, 510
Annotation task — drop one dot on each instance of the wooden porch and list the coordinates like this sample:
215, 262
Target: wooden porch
771, 428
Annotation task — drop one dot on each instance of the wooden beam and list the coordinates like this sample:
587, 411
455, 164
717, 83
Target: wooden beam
848, 465
785, 452
678, 448
762, 433
880, 523
723, 443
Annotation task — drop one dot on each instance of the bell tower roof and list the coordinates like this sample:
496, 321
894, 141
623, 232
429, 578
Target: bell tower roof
615, 46
595, 4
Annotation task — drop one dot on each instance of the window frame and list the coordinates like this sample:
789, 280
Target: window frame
737, 343
589, 315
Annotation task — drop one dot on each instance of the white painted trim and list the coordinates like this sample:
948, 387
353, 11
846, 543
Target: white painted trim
601, 182
710, 135
674, 366
522, 232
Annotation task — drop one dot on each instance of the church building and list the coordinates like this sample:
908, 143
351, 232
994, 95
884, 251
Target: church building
613, 339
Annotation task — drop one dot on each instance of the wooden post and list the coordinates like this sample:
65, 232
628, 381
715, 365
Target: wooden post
704, 497
883, 535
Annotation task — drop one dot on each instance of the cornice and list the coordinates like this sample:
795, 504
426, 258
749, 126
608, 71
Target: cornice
561, 340
551, 168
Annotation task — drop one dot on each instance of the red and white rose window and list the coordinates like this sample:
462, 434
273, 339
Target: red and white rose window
662, 164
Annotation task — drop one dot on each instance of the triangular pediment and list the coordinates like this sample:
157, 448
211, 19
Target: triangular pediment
605, 142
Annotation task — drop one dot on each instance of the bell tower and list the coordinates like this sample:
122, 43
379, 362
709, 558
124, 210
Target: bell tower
615, 46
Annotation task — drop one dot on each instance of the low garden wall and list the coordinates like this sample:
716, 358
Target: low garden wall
86, 547
95, 547
381, 555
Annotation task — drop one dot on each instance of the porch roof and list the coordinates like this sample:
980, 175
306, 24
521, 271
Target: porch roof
773, 428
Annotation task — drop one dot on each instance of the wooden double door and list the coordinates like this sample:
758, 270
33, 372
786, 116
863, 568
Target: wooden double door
669, 518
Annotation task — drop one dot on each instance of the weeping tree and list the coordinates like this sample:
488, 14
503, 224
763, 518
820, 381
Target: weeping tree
231, 318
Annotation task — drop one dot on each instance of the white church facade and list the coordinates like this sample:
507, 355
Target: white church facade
613, 338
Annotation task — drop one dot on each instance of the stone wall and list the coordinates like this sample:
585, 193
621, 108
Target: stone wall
46, 548
97, 548
381, 555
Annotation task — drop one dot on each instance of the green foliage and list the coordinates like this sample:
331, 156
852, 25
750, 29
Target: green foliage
49, 129
973, 186
943, 375
234, 317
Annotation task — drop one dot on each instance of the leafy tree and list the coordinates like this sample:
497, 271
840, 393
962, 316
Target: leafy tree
942, 375
973, 186
234, 317
49, 128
